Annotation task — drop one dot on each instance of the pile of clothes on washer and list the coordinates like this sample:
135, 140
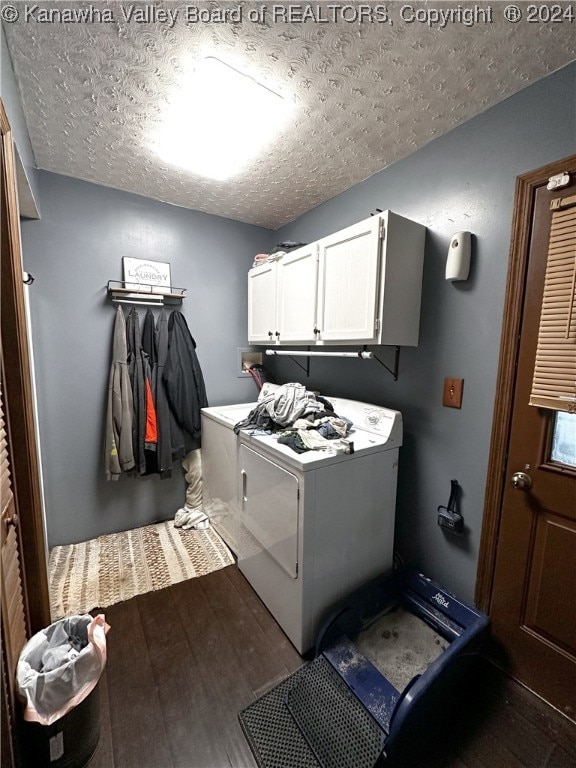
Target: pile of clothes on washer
300, 419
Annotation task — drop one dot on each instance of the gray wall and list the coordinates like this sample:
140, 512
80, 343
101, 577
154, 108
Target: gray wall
461, 181
73, 251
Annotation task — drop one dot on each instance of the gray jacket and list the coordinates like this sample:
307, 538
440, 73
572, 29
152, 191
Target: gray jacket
119, 455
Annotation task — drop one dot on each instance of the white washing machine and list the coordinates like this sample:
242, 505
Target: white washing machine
307, 528
220, 469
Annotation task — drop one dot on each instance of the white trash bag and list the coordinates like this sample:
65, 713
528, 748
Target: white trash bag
60, 666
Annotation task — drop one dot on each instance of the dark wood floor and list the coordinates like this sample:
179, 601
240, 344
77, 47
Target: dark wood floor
184, 661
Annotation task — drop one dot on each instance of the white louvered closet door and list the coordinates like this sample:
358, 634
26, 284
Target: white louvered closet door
14, 633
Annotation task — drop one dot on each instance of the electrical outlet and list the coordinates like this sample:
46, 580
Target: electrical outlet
452, 396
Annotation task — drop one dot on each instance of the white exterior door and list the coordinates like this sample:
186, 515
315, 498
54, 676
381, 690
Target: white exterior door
262, 304
297, 290
348, 283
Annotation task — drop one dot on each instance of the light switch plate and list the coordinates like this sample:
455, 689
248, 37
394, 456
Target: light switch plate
452, 396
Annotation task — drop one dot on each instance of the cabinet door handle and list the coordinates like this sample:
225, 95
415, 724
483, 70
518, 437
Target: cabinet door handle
316, 331
270, 334
244, 485
277, 334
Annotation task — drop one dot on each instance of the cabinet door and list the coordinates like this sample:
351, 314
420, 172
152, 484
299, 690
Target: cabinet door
262, 304
297, 289
348, 284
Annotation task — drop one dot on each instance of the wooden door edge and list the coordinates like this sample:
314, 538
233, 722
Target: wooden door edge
26, 470
526, 186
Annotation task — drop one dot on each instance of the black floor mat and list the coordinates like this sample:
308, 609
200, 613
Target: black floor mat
337, 726
339, 732
271, 732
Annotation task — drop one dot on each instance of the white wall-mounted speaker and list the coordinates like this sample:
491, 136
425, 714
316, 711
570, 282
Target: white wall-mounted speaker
458, 261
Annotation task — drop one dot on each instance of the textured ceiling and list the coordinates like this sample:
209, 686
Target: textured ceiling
365, 94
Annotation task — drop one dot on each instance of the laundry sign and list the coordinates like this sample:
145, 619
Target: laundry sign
141, 272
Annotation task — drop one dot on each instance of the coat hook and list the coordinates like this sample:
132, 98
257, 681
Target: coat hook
29, 279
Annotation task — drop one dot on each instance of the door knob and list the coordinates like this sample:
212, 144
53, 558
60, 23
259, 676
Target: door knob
11, 521
521, 481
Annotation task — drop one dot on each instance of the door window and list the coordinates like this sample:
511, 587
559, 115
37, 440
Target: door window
563, 447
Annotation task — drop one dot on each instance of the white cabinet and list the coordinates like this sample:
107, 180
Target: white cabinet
362, 284
282, 298
297, 290
262, 303
348, 283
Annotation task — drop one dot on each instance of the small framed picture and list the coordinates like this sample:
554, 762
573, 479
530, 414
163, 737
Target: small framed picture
142, 272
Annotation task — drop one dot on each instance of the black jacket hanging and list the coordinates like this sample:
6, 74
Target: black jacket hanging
136, 373
149, 364
184, 380
170, 438
149, 343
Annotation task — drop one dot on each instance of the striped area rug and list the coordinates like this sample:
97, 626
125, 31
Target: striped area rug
118, 566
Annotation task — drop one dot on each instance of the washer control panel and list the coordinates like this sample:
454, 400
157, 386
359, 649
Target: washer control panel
372, 418
377, 420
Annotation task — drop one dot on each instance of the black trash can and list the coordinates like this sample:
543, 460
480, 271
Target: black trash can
57, 679
69, 742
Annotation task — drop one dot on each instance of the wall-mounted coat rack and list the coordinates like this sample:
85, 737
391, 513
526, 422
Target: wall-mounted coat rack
362, 354
121, 292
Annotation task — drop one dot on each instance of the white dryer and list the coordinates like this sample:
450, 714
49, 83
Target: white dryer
307, 528
319, 524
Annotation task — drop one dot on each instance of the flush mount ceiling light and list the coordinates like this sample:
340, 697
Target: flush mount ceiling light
218, 120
